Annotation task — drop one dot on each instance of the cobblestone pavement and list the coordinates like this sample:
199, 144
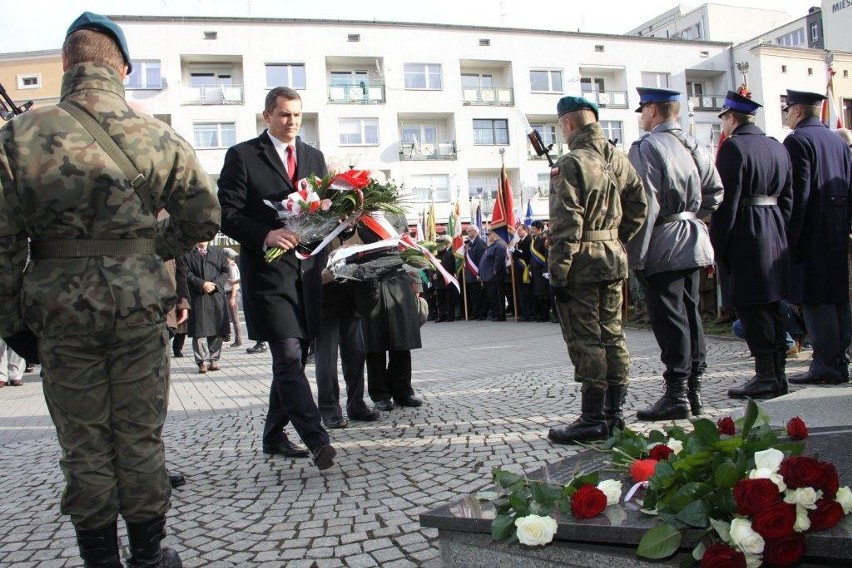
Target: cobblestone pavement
491, 391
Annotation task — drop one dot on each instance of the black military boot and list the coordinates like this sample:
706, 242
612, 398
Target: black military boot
764, 384
672, 406
781, 373
590, 426
145, 551
99, 548
613, 401
693, 389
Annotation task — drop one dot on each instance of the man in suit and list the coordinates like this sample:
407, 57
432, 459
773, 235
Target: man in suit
538, 270
748, 236
477, 303
522, 257
284, 297
492, 272
818, 236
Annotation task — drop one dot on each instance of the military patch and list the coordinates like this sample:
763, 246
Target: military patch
554, 171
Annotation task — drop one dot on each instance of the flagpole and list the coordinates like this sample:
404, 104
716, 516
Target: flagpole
512, 263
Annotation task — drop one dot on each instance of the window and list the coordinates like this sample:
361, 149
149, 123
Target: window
423, 76
208, 79
547, 132
145, 75
695, 89
477, 81
343, 78
810, 71
613, 130
715, 132
485, 187
792, 39
543, 184
423, 187
592, 85
29, 81
490, 132
783, 68
655, 80
359, 131
484, 42
783, 114
599, 48
814, 32
353, 37
419, 134
211, 35
285, 75
214, 135
544, 81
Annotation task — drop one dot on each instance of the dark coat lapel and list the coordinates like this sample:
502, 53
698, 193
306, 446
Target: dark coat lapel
269, 154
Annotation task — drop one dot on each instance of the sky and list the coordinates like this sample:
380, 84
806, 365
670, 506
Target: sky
40, 24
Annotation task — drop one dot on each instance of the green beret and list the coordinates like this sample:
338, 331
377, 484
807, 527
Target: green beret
570, 104
102, 24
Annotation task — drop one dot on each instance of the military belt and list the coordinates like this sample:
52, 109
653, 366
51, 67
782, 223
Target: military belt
759, 201
604, 235
682, 216
80, 248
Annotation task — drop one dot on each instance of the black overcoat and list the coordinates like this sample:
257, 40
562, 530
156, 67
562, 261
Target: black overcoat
818, 233
538, 267
283, 299
207, 310
750, 242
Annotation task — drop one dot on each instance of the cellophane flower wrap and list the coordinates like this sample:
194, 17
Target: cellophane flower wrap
320, 205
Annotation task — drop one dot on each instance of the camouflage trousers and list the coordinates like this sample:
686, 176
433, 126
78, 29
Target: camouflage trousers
107, 395
591, 327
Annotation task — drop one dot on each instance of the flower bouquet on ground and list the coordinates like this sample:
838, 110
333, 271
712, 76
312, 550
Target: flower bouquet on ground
322, 208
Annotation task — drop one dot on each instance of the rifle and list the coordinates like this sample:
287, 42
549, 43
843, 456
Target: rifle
8, 108
539, 147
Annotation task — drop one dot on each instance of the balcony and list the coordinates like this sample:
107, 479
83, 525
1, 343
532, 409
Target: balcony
707, 102
213, 95
608, 99
488, 96
358, 93
412, 151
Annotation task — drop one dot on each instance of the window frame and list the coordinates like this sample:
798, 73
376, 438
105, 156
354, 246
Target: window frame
362, 123
21, 78
442, 190
657, 75
493, 130
290, 78
140, 70
219, 134
426, 74
608, 127
550, 73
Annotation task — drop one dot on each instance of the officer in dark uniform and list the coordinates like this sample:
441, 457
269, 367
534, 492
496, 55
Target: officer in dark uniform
818, 235
748, 232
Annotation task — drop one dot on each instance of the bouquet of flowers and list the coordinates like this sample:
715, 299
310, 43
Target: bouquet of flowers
324, 207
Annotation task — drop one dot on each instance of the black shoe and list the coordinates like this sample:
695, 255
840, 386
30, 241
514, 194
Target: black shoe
366, 416
581, 430
145, 548
810, 378
178, 354
666, 408
256, 348
336, 423
386, 405
324, 456
237, 343
176, 479
408, 400
287, 449
99, 548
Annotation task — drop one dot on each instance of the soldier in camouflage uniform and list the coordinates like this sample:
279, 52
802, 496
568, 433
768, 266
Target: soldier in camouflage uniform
95, 293
596, 202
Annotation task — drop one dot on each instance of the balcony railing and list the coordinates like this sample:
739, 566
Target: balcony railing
707, 102
556, 151
608, 99
213, 95
356, 94
441, 151
492, 97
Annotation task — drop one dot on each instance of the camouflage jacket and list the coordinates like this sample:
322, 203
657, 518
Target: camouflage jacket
56, 183
596, 202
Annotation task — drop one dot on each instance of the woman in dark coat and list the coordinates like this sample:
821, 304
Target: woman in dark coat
206, 274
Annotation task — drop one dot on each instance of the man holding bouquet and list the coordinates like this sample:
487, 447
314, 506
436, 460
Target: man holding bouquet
283, 298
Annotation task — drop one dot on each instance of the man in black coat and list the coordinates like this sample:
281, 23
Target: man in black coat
284, 297
538, 270
206, 275
522, 257
750, 242
818, 236
477, 303
445, 292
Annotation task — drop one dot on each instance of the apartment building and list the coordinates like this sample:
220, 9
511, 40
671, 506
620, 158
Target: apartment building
32, 76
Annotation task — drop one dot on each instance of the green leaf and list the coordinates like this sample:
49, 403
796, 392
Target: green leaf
750, 417
694, 514
726, 475
687, 494
520, 503
505, 478
588, 478
698, 551
660, 542
545, 493
657, 437
706, 431
502, 527
725, 502
723, 529
671, 519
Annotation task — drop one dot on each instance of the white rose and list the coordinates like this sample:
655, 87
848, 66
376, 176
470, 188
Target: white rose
675, 445
768, 459
612, 489
805, 497
754, 560
534, 530
765, 473
844, 497
745, 538
803, 522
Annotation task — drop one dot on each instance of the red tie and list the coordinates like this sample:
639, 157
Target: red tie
291, 164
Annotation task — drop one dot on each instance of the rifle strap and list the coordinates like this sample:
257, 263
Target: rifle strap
137, 180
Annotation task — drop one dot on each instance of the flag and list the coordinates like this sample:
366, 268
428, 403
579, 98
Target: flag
419, 228
529, 217
477, 220
829, 114
455, 230
503, 215
431, 231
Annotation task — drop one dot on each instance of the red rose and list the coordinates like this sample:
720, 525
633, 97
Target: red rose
726, 426
642, 470
784, 551
722, 556
775, 521
801, 471
753, 495
828, 513
587, 502
660, 452
830, 481
796, 429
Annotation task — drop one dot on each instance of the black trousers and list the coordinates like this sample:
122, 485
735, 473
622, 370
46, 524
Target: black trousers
763, 327
290, 398
446, 303
389, 375
345, 333
477, 302
672, 299
496, 299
